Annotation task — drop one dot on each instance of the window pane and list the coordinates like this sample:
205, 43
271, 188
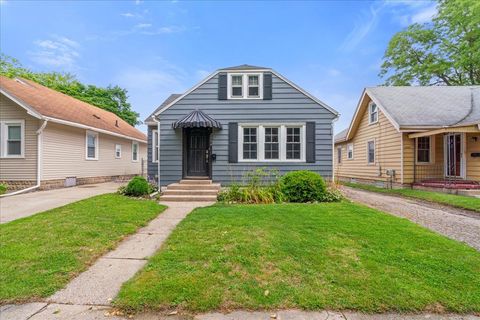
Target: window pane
91, 140
14, 132
293, 143
253, 91
237, 80
253, 80
271, 143
14, 148
250, 143
237, 91
423, 149
91, 152
371, 152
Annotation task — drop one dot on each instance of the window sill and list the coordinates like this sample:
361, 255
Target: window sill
424, 163
13, 157
244, 98
91, 159
270, 161
370, 123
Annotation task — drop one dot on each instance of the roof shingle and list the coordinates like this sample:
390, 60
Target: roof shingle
54, 104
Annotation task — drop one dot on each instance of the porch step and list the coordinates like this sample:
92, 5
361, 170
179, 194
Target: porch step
195, 181
193, 192
188, 198
183, 186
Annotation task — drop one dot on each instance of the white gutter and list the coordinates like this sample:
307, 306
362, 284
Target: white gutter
39, 163
158, 155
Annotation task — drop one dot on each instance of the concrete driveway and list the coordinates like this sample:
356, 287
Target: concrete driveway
24, 205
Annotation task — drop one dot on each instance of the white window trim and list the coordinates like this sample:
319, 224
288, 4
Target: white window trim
97, 144
348, 156
119, 146
138, 151
370, 113
154, 146
4, 133
245, 85
282, 141
374, 153
432, 147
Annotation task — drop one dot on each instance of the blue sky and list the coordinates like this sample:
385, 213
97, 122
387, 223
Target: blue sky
333, 49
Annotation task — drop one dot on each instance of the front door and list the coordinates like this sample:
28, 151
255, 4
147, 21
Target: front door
196, 152
453, 155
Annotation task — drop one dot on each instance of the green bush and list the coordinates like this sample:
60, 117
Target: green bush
303, 186
137, 187
3, 188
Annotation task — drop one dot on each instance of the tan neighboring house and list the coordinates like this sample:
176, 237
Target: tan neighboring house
420, 136
50, 140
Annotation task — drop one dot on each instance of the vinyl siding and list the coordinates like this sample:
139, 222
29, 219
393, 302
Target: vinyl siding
473, 164
64, 154
387, 150
288, 105
20, 168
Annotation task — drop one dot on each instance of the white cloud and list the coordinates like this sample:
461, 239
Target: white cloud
365, 23
143, 25
408, 12
165, 30
128, 15
58, 51
137, 2
425, 15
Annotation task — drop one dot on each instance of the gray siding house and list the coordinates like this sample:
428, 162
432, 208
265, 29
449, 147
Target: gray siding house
235, 120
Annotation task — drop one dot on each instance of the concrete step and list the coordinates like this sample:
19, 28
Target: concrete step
196, 192
188, 198
182, 186
194, 181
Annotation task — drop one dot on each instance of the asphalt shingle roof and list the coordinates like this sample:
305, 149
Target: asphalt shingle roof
430, 106
167, 101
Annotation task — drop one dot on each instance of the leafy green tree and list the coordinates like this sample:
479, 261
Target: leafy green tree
445, 51
111, 98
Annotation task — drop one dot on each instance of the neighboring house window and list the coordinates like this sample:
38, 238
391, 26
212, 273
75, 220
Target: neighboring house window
134, 151
423, 149
339, 155
245, 86
155, 146
237, 86
13, 138
253, 86
373, 113
92, 145
350, 151
118, 151
272, 145
371, 152
249, 143
293, 143
272, 142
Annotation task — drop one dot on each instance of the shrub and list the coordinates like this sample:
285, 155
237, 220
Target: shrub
261, 186
137, 187
332, 194
303, 186
3, 188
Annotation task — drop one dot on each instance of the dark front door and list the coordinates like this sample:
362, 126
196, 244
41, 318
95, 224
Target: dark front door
196, 152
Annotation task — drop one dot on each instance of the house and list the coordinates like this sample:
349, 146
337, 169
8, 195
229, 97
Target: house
50, 140
425, 136
237, 119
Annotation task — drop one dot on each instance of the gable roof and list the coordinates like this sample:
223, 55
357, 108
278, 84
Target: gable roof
165, 105
341, 136
421, 107
170, 98
46, 103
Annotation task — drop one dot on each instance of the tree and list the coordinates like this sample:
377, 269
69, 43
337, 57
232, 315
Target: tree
111, 98
445, 51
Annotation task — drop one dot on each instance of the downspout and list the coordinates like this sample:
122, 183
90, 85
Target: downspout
158, 155
39, 163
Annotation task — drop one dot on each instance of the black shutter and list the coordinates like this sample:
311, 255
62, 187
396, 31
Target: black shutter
267, 86
222, 86
310, 145
232, 142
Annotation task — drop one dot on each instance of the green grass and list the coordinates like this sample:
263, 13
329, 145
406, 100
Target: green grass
462, 202
41, 253
308, 256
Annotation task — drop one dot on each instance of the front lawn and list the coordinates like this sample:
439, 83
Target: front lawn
41, 253
309, 256
462, 202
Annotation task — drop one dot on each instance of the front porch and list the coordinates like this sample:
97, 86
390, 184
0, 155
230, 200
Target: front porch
447, 161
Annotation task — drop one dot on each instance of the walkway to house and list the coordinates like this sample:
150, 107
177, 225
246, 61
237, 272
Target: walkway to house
27, 204
451, 222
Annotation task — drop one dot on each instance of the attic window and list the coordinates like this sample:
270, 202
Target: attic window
245, 86
372, 113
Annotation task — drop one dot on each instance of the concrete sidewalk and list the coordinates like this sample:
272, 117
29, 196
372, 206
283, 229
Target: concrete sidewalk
24, 205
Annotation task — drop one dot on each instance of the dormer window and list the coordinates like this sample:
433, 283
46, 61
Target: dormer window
245, 86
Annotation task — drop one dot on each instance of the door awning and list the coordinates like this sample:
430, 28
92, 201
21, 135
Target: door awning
197, 119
